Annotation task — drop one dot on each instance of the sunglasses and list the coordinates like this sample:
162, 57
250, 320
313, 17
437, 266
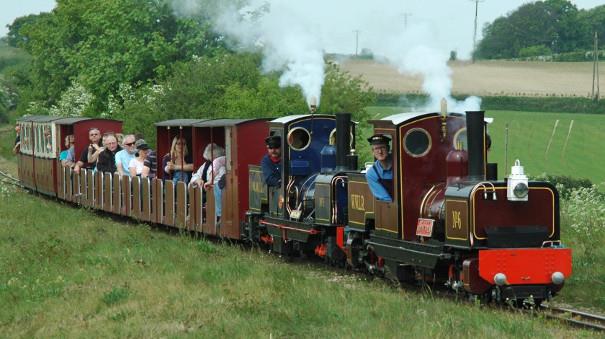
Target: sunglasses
129, 143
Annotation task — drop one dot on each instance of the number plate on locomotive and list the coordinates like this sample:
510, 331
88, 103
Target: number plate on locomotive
424, 227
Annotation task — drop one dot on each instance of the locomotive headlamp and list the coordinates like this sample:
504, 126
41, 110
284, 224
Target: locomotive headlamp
520, 191
557, 278
500, 279
517, 187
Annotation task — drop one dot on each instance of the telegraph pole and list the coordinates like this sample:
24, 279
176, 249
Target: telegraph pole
475, 31
356, 41
405, 19
595, 68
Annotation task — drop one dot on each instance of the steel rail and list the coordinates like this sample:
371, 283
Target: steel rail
575, 317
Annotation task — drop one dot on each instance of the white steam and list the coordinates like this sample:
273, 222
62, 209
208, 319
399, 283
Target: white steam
288, 42
294, 35
410, 50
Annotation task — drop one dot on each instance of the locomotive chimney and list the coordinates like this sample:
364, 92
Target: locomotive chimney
343, 140
313, 105
475, 135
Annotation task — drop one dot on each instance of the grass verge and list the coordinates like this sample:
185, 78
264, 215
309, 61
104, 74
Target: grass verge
69, 272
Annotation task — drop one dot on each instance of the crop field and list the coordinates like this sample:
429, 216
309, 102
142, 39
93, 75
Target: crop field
569, 149
485, 78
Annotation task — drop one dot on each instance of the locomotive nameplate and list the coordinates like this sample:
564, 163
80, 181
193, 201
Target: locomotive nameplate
456, 219
361, 200
424, 227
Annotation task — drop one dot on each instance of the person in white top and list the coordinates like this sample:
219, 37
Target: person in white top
135, 167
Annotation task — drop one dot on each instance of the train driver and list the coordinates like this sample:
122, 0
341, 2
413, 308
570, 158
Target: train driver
271, 163
380, 175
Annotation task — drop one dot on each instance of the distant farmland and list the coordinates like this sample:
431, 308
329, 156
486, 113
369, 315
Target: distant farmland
487, 78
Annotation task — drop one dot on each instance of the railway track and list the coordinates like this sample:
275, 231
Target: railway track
574, 317
9, 179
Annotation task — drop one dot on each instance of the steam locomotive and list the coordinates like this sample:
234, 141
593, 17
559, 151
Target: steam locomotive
450, 221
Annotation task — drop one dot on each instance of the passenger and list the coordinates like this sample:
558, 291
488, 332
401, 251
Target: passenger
107, 158
48, 139
88, 158
219, 170
178, 164
271, 163
136, 165
68, 156
150, 163
124, 156
380, 175
202, 176
17, 146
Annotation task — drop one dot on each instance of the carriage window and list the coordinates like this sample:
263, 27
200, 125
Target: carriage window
417, 142
299, 138
460, 137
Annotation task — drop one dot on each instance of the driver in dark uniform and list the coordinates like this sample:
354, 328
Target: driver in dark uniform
380, 174
271, 163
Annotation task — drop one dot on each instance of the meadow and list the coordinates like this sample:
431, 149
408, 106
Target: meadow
69, 272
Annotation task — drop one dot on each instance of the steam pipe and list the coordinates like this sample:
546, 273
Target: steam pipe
475, 134
343, 140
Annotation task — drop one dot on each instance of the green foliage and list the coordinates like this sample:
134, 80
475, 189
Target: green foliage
106, 43
557, 25
74, 102
116, 295
230, 86
583, 229
566, 184
537, 50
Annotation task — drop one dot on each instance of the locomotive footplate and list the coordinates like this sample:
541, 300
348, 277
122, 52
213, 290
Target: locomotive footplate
407, 252
289, 230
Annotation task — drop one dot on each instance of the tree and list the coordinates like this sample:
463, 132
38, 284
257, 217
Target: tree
102, 44
555, 24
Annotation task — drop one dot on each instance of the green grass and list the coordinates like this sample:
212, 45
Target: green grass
529, 134
67, 272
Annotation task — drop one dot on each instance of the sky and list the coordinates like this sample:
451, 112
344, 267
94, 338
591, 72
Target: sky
450, 20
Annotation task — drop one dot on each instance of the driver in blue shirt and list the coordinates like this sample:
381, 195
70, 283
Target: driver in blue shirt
380, 174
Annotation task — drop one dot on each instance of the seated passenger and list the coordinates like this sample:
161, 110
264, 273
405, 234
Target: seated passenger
124, 156
68, 156
178, 164
17, 146
106, 161
150, 164
271, 163
203, 174
88, 158
380, 175
137, 164
218, 180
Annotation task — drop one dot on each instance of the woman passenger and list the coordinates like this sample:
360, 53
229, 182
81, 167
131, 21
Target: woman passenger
178, 163
135, 167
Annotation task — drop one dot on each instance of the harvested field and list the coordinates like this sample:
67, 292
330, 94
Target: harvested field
485, 78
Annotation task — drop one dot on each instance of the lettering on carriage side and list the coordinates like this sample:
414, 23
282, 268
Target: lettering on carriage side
257, 186
456, 220
357, 202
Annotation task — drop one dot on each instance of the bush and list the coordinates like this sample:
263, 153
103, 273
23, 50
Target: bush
509, 103
565, 184
584, 212
537, 50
